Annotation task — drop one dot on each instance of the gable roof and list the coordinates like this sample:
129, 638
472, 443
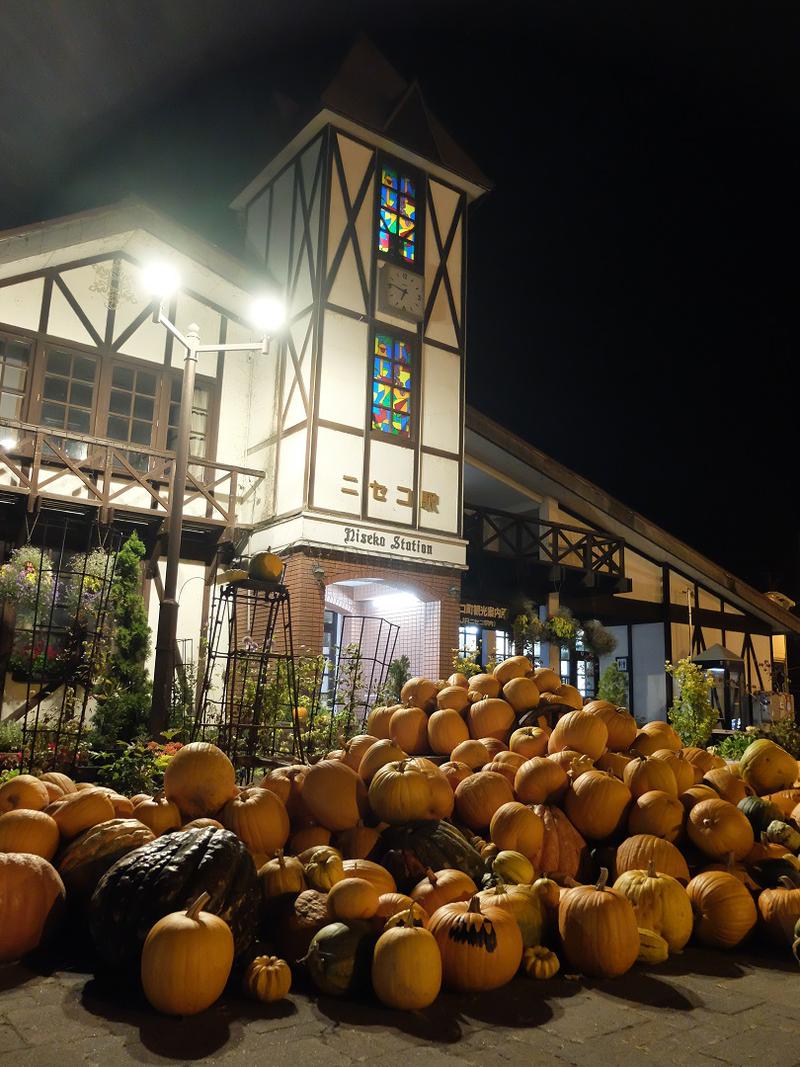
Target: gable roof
608, 514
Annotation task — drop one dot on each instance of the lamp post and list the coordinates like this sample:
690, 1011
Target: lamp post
267, 315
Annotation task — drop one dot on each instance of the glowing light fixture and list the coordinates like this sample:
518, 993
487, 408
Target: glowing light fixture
268, 313
395, 601
8, 443
161, 279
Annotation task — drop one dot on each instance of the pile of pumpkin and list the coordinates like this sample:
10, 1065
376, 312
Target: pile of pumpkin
456, 843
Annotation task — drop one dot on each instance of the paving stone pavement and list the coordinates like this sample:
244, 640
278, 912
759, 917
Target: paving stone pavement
701, 1009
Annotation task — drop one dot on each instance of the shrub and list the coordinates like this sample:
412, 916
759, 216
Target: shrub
692, 714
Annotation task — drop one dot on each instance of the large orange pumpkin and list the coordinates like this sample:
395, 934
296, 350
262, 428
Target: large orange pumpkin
23, 791
661, 904
409, 730
620, 724
727, 785
767, 768
484, 685
684, 772
479, 796
159, 814
540, 781
529, 741
455, 772
522, 694
63, 781
446, 729
598, 928
481, 948
401, 792
472, 753
513, 667
355, 748
574, 763
654, 736
657, 813
438, 888
490, 718
377, 756
80, 811
547, 681
581, 732
637, 852
643, 774
453, 698
614, 762
200, 779
695, 793
373, 873
702, 759
32, 832
378, 720
258, 817
419, 693
717, 828
31, 900
335, 795
780, 911
517, 827
723, 908
597, 804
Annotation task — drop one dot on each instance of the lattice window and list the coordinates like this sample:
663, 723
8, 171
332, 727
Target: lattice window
391, 385
15, 361
398, 215
68, 396
200, 422
132, 408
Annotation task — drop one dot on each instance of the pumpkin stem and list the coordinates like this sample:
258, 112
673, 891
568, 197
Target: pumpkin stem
785, 882
431, 876
730, 860
651, 868
409, 919
197, 906
602, 880
474, 906
280, 858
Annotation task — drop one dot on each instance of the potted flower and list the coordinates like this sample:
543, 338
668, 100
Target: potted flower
27, 578
34, 662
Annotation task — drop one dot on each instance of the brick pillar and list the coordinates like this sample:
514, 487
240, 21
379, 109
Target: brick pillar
308, 603
450, 620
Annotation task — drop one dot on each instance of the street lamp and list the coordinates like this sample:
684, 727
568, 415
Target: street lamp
268, 314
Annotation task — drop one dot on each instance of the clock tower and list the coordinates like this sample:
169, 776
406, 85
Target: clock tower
361, 218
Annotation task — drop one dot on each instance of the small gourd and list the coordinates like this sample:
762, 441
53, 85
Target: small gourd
513, 868
652, 947
540, 962
324, 871
781, 833
281, 875
267, 979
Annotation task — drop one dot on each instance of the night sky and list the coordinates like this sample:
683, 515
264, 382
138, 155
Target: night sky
632, 295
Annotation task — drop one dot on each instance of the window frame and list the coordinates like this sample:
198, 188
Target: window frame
420, 184
411, 339
165, 375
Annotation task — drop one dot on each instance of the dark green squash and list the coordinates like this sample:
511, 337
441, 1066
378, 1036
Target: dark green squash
760, 813
340, 956
166, 876
769, 872
409, 851
86, 859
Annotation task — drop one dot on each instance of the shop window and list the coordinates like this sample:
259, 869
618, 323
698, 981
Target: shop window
15, 361
392, 369
503, 645
331, 642
398, 215
469, 640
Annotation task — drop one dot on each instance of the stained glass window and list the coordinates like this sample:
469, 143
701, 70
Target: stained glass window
398, 216
392, 370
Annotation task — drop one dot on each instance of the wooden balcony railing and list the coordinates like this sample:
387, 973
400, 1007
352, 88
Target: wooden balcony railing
520, 537
42, 464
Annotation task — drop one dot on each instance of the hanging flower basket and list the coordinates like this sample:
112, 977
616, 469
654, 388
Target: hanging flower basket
27, 578
39, 664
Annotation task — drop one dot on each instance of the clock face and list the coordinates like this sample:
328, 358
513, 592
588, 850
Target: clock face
403, 291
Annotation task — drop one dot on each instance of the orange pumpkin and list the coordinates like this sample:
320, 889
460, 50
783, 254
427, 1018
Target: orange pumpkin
356, 748
455, 772
258, 817
620, 724
723, 908
695, 793
529, 741
513, 667
493, 746
643, 775
613, 762
371, 872
200, 779
598, 928
446, 729
357, 842
685, 774
159, 814
23, 791
654, 736
490, 718
378, 720
80, 811
27, 831
547, 681
657, 813
31, 903
391, 904
459, 680
780, 911
597, 804
574, 763
508, 772
409, 730
516, 827
481, 948
484, 685
334, 794
453, 698
438, 888
540, 781
522, 694
309, 837
63, 781
581, 732
727, 785
637, 852
401, 792
717, 828
472, 753
478, 797
419, 693
785, 800
702, 759
377, 756
352, 898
